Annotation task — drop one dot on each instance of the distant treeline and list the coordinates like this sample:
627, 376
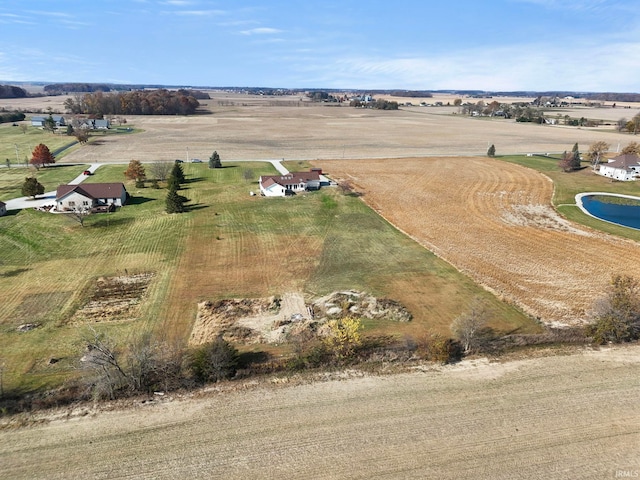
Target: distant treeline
9, 91
11, 117
61, 88
404, 93
145, 102
615, 97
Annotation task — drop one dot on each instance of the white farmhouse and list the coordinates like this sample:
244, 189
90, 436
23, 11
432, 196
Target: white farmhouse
623, 167
291, 183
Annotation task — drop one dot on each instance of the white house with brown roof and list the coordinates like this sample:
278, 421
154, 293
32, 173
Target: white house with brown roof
3, 208
90, 196
291, 183
623, 167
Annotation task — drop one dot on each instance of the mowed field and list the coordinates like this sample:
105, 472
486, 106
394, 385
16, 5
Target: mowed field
559, 417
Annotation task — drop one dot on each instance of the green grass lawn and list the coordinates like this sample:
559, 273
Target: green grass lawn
568, 185
227, 244
11, 179
12, 137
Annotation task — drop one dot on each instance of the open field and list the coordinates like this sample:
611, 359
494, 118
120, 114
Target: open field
571, 416
229, 245
559, 417
257, 128
494, 221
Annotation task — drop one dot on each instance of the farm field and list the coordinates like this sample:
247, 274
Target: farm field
494, 221
556, 417
244, 127
228, 245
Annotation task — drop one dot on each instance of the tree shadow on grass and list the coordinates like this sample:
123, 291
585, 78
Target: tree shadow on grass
12, 213
247, 359
195, 206
138, 200
14, 273
109, 221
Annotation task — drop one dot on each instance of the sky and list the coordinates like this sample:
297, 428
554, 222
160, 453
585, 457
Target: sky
493, 45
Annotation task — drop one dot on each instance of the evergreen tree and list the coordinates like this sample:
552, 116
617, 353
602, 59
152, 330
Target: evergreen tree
575, 159
177, 172
173, 184
174, 202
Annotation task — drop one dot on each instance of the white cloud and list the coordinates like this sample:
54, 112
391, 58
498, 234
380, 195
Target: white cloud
179, 3
520, 67
198, 13
261, 31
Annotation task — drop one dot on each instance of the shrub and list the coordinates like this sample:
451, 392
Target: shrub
215, 361
438, 348
343, 338
616, 316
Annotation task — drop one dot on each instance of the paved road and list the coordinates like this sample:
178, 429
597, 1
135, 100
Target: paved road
48, 198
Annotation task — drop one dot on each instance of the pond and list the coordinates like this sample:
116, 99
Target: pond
620, 209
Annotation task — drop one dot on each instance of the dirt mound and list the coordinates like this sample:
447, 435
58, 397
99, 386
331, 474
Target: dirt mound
275, 320
341, 304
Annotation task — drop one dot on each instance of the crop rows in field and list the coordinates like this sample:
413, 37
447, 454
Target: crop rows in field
494, 221
537, 418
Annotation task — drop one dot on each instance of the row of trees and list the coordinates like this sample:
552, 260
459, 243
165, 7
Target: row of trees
7, 117
145, 365
152, 102
570, 161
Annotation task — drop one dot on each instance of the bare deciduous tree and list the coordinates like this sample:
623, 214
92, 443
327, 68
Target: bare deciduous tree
468, 326
596, 151
160, 170
79, 214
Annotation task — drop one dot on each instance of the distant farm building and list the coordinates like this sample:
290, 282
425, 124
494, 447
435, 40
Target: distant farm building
40, 121
94, 124
623, 167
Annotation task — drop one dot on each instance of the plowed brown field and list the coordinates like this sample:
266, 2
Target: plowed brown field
494, 221
559, 417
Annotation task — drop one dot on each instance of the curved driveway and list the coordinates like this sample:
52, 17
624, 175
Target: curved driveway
48, 198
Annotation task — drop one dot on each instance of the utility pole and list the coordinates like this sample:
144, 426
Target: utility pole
17, 158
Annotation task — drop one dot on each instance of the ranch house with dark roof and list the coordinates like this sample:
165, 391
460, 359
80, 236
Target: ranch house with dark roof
93, 196
294, 182
623, 167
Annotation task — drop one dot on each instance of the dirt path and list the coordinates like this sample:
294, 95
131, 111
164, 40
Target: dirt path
557, 417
